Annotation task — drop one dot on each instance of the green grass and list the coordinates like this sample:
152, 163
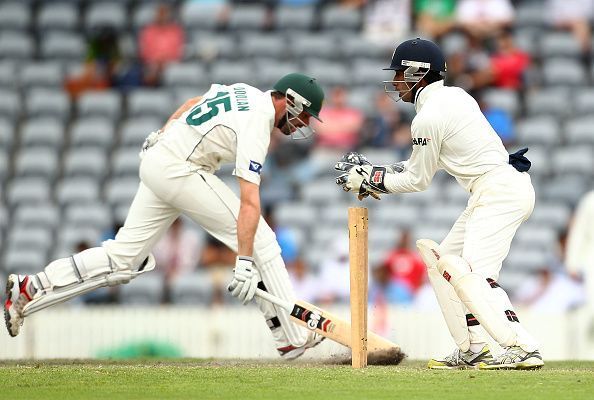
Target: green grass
198, 379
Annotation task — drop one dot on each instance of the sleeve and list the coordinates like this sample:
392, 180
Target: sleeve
422, 164
252, 146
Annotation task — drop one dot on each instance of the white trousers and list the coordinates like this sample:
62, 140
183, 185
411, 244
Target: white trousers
501, 200
170, 186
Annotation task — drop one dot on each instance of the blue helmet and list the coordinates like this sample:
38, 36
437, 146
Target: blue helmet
416, 57
418, 53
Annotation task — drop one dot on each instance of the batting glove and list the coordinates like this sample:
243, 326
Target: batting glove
245, 279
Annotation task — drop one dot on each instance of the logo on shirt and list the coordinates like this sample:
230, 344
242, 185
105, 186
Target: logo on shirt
256, 167
420, 141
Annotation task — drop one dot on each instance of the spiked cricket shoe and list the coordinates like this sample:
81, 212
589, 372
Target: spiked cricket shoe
461, 359
19, 292
515, 357
292, 352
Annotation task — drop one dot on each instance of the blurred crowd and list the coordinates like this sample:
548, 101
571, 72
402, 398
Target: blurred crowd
478, 37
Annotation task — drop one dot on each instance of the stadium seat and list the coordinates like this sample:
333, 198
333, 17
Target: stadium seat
270, 72
506, 100
567, 71
182, 75
47, 102
297, 214
93, 215
227, 72
6, 133
3, 165
294, 17
104, 103
85, 162
92, 131
192, 289
567, 189
327, 72
143, 14
248, 17
527, 259
70, 235
211, 47
121, 191
313, 46
28, 191
542, 130
15, 15
559, 44
530, 14
153, 103
41, 74
146, 289
24, 261
340, 17
40, 215
445, 214
580, 131
77, 190
36, 162
8, 71
258, 45
530, 235
57, 16
573, 160
369, 72
356, 45
16, 46
584, 101
436, 233
550, 101
125, 161
322, 192
204, 15
10, 104
135, 130
63, 46
102, 14
29, 238
46, 132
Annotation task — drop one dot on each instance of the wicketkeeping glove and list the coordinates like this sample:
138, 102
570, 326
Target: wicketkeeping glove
245, 279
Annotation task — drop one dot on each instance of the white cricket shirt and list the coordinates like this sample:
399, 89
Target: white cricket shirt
449, 132
230, 124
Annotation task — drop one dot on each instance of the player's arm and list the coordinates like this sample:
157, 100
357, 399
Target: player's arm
249, 216
423, 161
182, 109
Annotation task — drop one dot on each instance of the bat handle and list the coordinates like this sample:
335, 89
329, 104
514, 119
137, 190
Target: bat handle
274, 299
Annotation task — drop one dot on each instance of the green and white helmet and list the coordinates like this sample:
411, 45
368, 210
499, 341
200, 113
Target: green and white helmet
303, 93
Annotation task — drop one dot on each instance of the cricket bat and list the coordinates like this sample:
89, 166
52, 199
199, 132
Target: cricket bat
324, 323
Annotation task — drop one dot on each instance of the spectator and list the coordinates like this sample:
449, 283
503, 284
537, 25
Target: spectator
435, 18
386, 21
342, 123
177, 253
160, 42
509, 63
334, 280
484, 18
572, 15
580, 244
381, 126
384, 289
285, 237
552, 290
405, 266
219, 261
304, 282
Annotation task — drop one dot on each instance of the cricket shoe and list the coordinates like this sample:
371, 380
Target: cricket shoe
461, 359
19, 292
292, 352
515, 357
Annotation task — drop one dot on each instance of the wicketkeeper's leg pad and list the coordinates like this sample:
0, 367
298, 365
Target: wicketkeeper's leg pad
477, 296
451, 307
66, 278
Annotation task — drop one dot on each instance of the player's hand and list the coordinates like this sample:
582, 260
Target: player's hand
346, 165
245, 279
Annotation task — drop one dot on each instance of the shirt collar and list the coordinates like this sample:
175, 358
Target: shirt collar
423, 93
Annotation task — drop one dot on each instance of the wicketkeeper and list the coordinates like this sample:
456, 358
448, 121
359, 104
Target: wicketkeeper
449, 132
228, 124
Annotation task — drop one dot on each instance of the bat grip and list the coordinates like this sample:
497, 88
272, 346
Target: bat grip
274, 299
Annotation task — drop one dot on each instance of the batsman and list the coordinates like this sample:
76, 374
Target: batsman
228, 124
449, 132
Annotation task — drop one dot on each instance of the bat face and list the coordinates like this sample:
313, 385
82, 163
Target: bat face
313, 318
